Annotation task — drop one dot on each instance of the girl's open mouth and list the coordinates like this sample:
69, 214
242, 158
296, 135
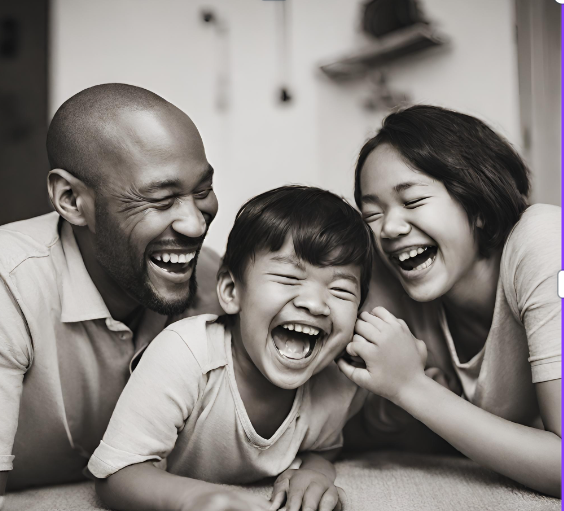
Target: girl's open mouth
296, 341
416, 258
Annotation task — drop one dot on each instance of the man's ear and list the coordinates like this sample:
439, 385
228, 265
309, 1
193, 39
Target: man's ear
227, 291
71, 198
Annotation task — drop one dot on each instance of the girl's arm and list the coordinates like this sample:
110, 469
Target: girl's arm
143, 486
394, 370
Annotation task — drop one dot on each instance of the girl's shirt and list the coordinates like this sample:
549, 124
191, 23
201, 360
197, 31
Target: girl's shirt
182, 404
523, 346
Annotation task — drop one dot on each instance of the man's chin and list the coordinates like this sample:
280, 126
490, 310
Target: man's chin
171, 307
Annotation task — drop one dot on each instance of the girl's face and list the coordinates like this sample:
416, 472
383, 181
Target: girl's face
421, 232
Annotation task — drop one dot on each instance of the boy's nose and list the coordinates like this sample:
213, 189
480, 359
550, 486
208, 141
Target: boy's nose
313, 302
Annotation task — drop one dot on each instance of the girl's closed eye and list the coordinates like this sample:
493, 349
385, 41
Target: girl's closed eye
415, 203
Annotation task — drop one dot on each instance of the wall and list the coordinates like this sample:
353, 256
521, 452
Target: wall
257, 143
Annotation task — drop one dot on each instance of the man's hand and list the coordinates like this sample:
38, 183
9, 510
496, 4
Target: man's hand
306, 489
394, 358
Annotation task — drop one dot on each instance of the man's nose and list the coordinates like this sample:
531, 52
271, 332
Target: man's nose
189, 221
313, 300
394, 225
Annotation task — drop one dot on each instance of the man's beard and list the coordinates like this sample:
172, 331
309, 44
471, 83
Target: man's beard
118, 259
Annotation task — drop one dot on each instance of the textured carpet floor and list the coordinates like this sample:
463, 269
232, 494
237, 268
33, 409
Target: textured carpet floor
374, 481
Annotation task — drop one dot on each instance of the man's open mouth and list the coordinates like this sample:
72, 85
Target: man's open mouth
172, 262
296, 341
416, 258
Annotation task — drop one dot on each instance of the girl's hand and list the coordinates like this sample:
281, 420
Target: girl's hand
394, 358
305, 489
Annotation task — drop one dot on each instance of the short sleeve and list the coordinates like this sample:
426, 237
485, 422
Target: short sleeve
530, 266
16, 355
152, 409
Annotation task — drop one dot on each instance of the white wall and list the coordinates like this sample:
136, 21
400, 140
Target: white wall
257, 144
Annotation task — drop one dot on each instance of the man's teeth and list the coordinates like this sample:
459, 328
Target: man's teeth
304, 329
412, 253
174, 258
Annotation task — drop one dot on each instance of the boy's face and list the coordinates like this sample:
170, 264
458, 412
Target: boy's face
295, 318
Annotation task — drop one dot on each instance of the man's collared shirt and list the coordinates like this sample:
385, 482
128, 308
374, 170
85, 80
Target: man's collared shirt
63, 359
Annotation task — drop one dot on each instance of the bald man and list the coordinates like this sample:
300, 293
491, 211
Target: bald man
84, 289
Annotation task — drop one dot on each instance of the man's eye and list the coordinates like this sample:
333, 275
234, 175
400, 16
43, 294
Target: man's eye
203, 194
165, 203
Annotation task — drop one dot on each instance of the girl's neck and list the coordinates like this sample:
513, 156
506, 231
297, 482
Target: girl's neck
473, 296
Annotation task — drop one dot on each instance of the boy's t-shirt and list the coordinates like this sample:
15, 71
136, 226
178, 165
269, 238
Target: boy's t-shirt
182, 403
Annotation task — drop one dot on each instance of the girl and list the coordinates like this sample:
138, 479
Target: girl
446, 198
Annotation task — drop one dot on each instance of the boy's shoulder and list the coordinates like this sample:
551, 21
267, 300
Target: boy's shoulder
205, 338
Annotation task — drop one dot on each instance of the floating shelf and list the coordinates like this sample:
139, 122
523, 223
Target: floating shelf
383, 50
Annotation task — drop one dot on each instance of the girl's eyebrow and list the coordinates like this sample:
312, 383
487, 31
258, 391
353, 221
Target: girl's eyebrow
372, 198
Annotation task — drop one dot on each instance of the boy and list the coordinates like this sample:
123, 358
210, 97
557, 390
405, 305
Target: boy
234, 400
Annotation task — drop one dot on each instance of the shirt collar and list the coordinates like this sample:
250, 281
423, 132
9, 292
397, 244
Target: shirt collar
80, 299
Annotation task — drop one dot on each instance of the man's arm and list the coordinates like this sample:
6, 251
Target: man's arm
15, 359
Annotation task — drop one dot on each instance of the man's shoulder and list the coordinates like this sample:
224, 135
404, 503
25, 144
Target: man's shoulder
27, 238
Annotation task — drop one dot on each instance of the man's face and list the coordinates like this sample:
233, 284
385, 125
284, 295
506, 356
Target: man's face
154, 207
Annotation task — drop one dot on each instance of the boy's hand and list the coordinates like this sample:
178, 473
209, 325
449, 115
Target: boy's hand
221, 499
307, 490
394, 358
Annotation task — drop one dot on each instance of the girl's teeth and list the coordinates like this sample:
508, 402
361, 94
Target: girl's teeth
174, 258
181, 258
419, 250
166, 258
413, 253
158, 257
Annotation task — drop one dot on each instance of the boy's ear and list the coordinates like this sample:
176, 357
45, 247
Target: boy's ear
71, 198
227, 291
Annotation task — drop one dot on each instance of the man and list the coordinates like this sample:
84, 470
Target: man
83, 290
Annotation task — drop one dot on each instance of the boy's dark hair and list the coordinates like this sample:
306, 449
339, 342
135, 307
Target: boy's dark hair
325, 230
478, 167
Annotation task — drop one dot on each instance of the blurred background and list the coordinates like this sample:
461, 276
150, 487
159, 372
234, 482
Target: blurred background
282, 91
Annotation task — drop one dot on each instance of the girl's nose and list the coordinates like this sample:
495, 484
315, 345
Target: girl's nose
394, 226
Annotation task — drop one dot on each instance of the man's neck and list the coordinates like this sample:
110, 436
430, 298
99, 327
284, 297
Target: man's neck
120, 305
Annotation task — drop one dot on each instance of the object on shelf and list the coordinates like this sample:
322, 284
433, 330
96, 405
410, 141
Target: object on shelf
383, 50
381, 17
380, 96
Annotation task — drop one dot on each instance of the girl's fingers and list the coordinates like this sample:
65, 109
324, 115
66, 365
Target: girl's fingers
375, 321
357, 375
384, 315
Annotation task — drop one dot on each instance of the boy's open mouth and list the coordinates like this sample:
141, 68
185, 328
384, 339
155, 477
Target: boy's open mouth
296, 341
416, 258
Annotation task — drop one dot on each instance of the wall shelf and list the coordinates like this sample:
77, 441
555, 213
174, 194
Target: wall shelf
384, 50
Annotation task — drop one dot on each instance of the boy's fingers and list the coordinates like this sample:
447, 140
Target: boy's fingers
312, 497
342, 505
277, 500
294, 502
329, 500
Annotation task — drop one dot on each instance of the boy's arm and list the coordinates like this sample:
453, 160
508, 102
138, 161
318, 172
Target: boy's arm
143, 486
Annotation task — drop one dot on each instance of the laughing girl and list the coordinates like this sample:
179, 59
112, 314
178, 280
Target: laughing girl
446, 198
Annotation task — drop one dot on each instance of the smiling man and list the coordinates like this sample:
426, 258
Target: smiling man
84, 289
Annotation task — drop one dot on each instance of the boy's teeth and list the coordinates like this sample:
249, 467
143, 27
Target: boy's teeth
311, 330
294, 349
174, 258
166, 258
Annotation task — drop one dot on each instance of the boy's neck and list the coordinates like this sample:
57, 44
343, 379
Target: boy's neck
266, 404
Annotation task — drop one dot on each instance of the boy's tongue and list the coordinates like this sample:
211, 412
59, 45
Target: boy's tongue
291, 344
